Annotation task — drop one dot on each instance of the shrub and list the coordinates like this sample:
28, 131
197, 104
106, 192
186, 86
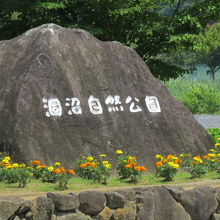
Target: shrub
197, 168
94, 168
167, 166
62, 176
127, 167
202, 99
215, 134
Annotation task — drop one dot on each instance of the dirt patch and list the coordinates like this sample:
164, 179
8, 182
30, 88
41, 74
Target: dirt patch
187, 186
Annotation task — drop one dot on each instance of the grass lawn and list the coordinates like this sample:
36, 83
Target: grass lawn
79, 184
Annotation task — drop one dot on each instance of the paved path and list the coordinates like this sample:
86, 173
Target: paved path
208, 121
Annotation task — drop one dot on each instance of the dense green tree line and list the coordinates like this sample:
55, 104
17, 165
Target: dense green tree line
151, 27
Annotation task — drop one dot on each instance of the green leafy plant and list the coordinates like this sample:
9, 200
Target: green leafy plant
215, 134
62, 176
167, 166
202, 98
47, 175
95, 169
127, 167
197, 168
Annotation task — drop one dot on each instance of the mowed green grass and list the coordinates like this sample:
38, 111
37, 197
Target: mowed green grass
79, 184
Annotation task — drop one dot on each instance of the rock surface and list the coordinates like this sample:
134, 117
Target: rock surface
9, 205
46, 66
157, 203
200, 203
64, 203
91, 202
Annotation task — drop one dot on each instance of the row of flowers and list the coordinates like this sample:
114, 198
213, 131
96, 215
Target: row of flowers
99, 169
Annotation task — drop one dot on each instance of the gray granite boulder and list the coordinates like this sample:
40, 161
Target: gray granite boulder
64, 93
9, 205
64, 203
91, 202
156, 203
200, 202
115, 200
42, 208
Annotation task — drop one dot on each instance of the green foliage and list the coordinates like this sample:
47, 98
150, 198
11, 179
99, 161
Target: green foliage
199, 97
128, 169
166, 171
62, 179
197, 170
151, 27
94, 168
167, 166
202, 99
48, 175
20, 175
215, 134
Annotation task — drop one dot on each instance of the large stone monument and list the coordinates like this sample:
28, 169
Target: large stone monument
63, 93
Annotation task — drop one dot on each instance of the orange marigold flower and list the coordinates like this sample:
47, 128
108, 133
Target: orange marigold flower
133, 164
178, 161
70, 171
7, 164
93, 165
170, 157
138, 168
143, 168
128, 166
36, 162
57, 171
159, 164
43, 166
62, 170
206, 157
83, 165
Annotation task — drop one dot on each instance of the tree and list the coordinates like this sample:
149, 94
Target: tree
209, 49
151, 27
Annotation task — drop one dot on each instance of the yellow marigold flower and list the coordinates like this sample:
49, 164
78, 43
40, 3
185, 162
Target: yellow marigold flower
5, 161
174, 165
38, 167
158, 156
218, 138
217, 144
105, 162
57, 164
15, 165
119, 152
212, 150
9, 167
7, 158
211, 155
108, 166
89, 158
50, 168
103, 155
22, 165
198, 159
217, 155
175, 158
30, 168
